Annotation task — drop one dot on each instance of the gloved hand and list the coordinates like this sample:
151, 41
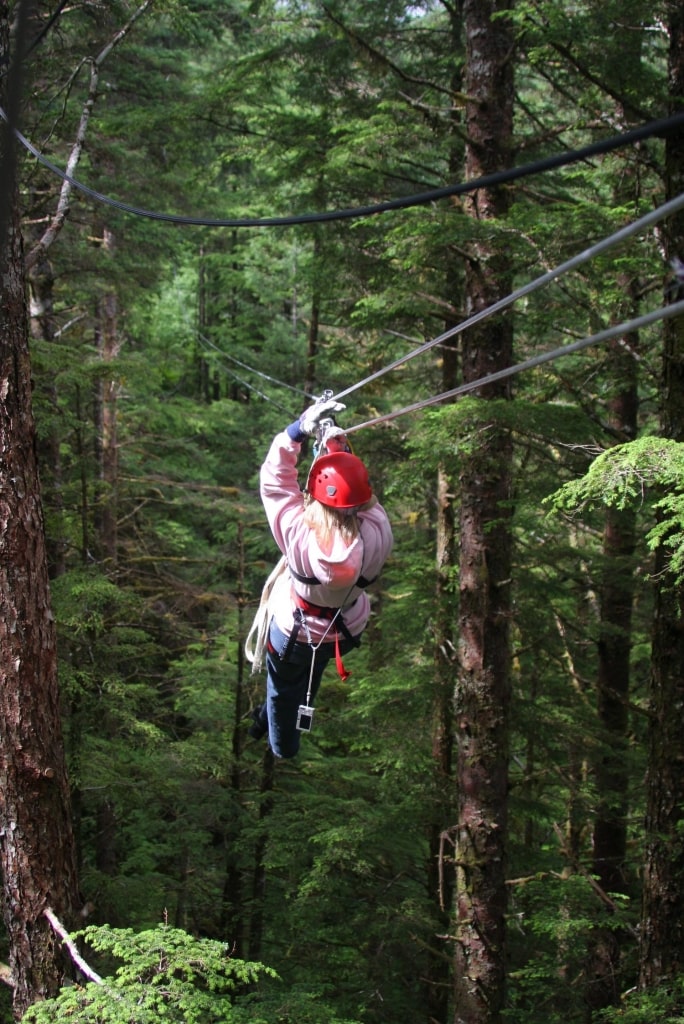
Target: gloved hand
311, 417
307, 423
334, 440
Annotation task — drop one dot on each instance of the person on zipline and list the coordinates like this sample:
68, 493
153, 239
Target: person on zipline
335, 538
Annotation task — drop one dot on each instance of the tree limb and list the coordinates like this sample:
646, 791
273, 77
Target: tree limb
69, 943
56, 224
376, 57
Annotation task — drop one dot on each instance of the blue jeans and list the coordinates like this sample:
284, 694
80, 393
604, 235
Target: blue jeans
287, 684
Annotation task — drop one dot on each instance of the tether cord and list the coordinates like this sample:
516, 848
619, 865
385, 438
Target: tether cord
659, 127
630, 229
663, 313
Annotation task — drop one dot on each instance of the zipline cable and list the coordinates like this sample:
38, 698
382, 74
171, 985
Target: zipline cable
662, 126
575, 261
663, 313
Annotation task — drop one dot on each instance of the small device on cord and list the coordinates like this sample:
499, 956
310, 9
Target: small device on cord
305, 718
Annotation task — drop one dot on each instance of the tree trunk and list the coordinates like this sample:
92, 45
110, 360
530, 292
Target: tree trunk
37, 850
661, 956
440, 879
440, 874
41, 280
483, 687
313, 332
256, 923
616, 597
611, 769
232, 920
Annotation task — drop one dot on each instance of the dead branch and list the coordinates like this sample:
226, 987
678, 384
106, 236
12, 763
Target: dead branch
71, 946
56, 224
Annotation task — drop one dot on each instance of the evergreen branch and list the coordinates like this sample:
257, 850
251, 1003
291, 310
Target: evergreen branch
586, 73
52, 20
181, 559
186, 485
580, 870
380, 58
581, 68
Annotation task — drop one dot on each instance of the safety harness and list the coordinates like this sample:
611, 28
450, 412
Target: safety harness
334, 615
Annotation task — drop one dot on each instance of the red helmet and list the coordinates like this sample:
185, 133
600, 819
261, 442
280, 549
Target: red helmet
339, 480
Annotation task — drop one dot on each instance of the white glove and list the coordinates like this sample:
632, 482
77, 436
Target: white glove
310, 418
335, 440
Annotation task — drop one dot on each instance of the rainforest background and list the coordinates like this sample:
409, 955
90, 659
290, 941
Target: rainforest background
485, 824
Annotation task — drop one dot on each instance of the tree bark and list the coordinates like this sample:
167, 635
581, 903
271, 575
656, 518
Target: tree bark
313, 331
611, 768
661, 956
483, 687
439, 879
37, 850
42, 326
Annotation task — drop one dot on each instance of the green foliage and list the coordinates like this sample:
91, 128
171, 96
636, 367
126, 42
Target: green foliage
660, 1005
164, 974
621, 475
648, 471
456, 430
561, 914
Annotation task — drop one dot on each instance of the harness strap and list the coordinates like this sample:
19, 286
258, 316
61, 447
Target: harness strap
305, 607
292, 639
310, 580
342, 672
313, 581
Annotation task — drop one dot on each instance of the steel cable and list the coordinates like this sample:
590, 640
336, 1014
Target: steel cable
575, 261
628, 138
663, 313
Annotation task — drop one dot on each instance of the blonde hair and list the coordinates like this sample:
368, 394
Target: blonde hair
326, 521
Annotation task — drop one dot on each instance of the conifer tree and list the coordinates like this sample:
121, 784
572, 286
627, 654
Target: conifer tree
37, 849
482, 712
661, 955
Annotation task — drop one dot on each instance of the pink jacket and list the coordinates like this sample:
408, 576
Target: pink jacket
335, 572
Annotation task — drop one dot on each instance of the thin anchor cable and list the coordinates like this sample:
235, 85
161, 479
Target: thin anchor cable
575, 261
662, 313
652, 128
246, 384
252, 369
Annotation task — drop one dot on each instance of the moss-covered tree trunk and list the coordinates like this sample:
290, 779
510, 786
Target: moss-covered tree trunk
483, 687
662, 918
440, 877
